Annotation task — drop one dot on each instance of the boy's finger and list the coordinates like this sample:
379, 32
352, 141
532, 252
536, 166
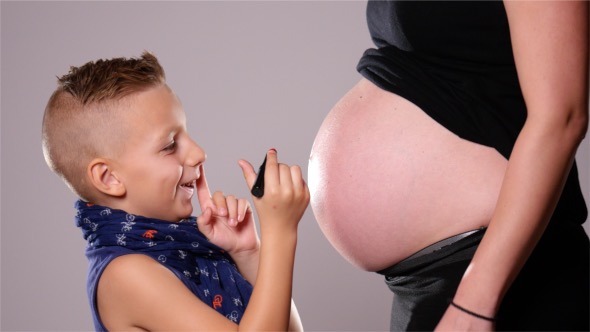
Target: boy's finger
203, 193
271, 177
285, 177
248, 171
243, 207
220, 204
232, 208
204, 221
297, 177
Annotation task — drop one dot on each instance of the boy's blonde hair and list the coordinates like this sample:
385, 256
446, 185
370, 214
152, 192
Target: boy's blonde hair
83, 120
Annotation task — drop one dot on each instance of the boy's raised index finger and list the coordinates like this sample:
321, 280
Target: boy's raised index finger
272, 170
203, 193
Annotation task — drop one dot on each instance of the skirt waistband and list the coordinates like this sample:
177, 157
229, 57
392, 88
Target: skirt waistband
436, 252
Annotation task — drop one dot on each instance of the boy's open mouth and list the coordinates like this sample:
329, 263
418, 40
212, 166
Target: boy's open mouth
189, 185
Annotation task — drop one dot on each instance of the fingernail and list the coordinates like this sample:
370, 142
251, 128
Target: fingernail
240, 217
273, 149
232, 222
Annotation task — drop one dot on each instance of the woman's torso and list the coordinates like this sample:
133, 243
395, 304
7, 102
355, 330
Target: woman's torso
416, 152
387, 180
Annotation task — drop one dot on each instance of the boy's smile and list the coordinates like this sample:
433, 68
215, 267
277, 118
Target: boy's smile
189, 187
159, 163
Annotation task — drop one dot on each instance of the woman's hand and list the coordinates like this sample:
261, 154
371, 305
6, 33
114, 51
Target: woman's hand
550, 45
456, 320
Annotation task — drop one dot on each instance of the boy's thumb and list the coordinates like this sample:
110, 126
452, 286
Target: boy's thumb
204, 221
248, 171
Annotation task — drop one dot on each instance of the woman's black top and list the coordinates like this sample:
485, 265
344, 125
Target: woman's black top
454, 60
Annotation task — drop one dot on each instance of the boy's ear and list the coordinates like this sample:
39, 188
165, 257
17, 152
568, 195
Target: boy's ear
104, 179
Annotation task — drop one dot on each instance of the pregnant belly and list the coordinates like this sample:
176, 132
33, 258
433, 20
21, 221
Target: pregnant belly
386, 180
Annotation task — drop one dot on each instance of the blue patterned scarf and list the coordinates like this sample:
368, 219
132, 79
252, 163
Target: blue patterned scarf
177, 245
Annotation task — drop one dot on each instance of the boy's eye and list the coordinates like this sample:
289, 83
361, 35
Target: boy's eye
170, 147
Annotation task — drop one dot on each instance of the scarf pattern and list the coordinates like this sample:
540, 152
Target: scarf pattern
178, 245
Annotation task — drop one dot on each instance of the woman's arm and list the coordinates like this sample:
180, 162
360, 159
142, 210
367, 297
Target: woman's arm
550, 43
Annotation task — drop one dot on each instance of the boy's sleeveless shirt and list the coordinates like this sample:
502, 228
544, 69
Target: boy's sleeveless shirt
205, 269
454, 60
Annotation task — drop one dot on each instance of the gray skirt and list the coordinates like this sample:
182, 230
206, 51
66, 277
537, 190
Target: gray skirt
551, 292
424, 283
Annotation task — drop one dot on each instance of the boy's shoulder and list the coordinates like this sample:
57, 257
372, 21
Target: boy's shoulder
130, 270
136, 290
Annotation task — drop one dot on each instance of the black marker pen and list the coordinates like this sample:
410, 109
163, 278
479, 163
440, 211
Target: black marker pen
258, 188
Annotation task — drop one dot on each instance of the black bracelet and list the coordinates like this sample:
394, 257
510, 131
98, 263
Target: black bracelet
472, 313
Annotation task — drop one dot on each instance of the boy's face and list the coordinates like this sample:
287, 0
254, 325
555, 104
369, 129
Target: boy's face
160, 163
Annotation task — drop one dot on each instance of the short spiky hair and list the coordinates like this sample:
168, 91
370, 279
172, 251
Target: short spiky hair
82, 119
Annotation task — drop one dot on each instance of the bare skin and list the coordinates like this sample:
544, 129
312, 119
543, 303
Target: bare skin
150, 178
137, 293
387, 180
550, 42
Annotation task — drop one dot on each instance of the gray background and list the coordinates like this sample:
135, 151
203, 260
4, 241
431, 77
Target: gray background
251, 75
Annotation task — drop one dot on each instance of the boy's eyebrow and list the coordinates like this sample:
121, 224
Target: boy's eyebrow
167, 133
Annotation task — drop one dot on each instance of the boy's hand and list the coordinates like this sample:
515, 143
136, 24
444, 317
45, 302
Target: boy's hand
285, 198
226, 221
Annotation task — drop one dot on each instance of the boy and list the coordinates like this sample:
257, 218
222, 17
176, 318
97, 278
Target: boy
116, 133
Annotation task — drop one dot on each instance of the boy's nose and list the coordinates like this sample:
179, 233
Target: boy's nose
195, 154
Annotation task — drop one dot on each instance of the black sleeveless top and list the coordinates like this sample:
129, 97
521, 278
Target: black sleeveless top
454, 60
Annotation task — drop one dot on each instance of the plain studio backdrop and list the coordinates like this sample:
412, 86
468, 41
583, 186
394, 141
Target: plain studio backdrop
251, 76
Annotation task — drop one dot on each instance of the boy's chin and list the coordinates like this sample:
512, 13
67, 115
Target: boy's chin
177, 215
188, 212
